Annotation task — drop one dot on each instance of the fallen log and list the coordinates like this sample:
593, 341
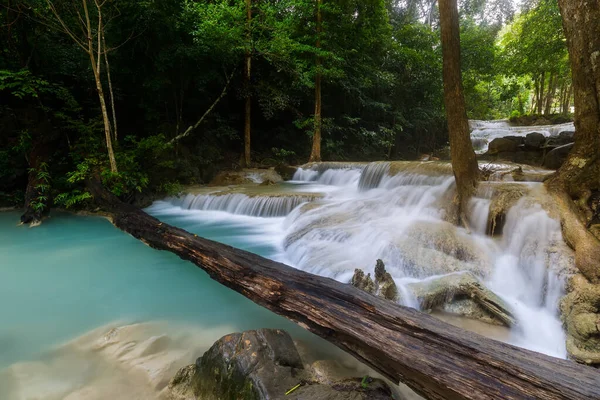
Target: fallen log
435, 359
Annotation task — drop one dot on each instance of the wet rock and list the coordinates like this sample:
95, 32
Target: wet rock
567, 135
535, 140
434, 248
261, 365
245, 176
564, 137
519, 140
362, 281
555, 158
268, 182
502, 145
386, 287
435, 293
286, 171
580, 313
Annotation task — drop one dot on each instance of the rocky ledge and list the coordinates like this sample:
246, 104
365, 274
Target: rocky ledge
265, 364
534, 149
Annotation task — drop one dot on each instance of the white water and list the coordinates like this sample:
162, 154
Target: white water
239, 203
483, 132
367, 214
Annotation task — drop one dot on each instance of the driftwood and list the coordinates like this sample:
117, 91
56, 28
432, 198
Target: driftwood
435, 359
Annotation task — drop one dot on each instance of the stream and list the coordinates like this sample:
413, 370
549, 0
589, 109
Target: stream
76, 276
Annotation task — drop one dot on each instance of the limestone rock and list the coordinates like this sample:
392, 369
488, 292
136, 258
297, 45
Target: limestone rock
555, 158
263, 365
435, 293
502, 145
385, 283
362, 281
535, 140
580, 312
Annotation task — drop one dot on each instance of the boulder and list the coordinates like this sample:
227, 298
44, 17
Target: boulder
555, 158
436, 293
519, 140
286, 171
564, 137
535, 140
502, 145
265, 364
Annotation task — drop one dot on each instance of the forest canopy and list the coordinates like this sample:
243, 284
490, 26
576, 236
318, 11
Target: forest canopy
157, 93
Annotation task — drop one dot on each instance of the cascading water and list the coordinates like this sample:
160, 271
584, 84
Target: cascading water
401, 219
241, 204
401, 212
483, 132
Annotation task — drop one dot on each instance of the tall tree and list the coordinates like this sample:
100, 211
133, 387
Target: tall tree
247, 90
464, 162
580, 175
91, 41
315, 154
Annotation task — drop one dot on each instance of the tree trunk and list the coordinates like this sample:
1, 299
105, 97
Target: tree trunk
95, 62
315, 154
437, 360
540, 102
247, 77
110, 89
464, 161
579, 176
550, 94
567, 103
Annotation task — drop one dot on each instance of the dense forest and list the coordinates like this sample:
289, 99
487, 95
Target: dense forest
161, 93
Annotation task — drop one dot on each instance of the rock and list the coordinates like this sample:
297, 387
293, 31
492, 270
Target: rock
385, 283
359, 280
564, 137
580, 313
502, 145
268, 182
555, 158
265, 364
435, 293
519, 140
245, 176
567, 135
535, 140
286, 171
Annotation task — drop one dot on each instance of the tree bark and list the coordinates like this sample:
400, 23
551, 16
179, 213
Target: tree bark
110, 89
435, 359
579, 177
540, 102
315, 154
464, 161
95, 63
247, 77
550, 94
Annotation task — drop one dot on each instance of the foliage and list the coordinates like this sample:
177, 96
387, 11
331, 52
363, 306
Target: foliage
39, 202
381, 65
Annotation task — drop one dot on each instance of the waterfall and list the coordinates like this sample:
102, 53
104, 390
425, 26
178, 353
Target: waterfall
241, 204
483, 132
372, 175
402, 213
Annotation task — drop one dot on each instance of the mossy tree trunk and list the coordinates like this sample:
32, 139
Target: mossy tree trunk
577, 181
464, 161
